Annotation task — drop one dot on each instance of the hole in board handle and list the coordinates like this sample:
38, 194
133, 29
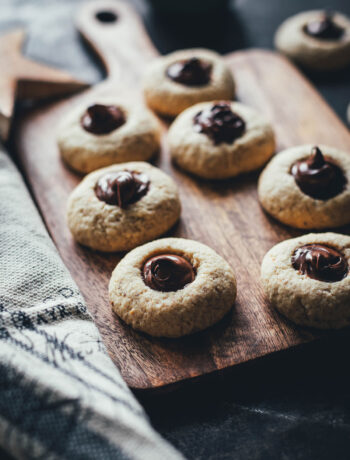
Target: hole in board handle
106, 16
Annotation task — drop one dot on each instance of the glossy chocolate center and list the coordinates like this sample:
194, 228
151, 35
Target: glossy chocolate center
102, 119
168, 272
219, 123
318, 177
320, 262
121, 188
324, 28
190, 72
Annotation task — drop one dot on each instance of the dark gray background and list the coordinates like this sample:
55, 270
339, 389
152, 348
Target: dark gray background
296, 404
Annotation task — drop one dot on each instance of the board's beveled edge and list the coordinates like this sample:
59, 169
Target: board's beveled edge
215, 372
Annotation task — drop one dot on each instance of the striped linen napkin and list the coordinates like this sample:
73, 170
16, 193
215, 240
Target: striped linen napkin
61, 397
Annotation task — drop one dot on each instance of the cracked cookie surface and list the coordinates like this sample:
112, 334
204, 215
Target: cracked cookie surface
196, 152
315, 53
169, 97
108, 227
281, 197
136, 139
300, 298
196, 306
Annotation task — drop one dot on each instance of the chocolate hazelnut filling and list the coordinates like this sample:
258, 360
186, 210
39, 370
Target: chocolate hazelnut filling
121, 188
167, 272
219, 123
324, 28
190, 72
318, 176
102, 119
320, 262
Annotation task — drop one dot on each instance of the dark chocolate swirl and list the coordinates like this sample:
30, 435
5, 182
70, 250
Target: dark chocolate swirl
190, 72
324, 28
320, 262
121, 188
102, 119
167, 272
219, 123
318, 177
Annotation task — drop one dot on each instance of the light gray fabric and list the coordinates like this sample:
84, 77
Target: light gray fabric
60, 394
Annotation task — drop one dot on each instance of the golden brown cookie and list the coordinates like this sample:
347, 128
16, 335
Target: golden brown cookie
307, 279
307, 187
316, 39
122, 206
174, 82
172, 287
106, 132
221, 139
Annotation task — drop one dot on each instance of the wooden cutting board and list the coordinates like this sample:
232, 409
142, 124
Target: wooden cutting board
224, 215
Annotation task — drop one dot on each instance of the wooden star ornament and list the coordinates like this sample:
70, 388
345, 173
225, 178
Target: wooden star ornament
21, 78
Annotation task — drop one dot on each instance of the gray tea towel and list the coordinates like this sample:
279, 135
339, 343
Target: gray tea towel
61, 397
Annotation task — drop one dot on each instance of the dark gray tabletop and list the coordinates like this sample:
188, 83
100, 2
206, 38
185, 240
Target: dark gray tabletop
293, 405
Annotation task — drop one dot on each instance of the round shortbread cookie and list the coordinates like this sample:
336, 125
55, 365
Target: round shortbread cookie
109, 227
281, 197
169, 97
302, 299
197, 153
136, 139
194, 307
311, 51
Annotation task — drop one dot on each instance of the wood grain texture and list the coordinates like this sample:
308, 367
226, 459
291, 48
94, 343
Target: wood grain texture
224, 215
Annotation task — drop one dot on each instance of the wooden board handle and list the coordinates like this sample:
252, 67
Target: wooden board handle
117, 35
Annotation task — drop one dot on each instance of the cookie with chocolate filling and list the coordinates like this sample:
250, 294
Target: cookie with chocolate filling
317, 39
106, 132
172, 287
307, 279
174, 82
122, 206
307, 187
220, 139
